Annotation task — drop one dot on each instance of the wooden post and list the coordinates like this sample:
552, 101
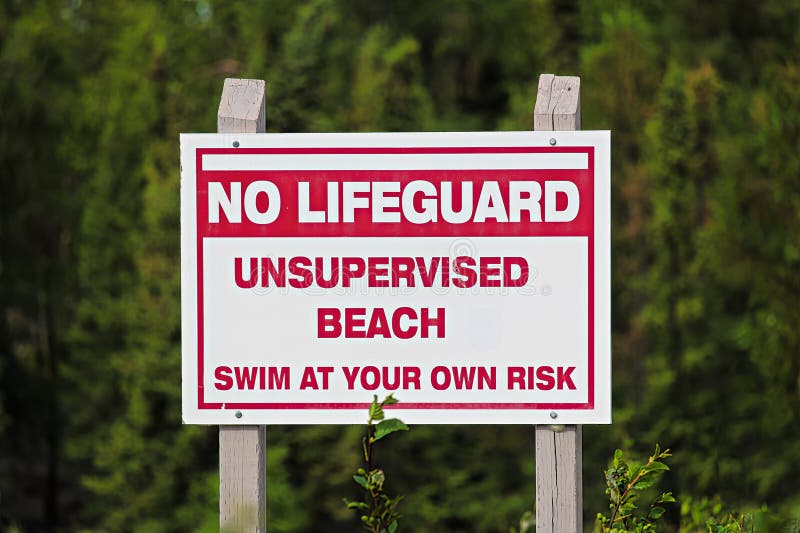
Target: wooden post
559, 480
242, 449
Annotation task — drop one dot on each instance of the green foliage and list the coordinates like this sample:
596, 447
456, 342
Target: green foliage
710, 515
527, 523
628, 484
748, 523
702, 100
625, 485
388, 91
378, 510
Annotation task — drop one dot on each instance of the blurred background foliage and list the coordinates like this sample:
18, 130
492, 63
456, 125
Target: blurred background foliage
703, 102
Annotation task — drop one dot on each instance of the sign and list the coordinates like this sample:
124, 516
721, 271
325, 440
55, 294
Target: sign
467, 273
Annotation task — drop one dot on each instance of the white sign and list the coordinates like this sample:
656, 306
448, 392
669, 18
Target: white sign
467, 273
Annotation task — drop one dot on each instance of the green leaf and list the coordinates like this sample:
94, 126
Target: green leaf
657, 466
666, 497
387, 427
641, 485
375, 410
627, 508
392, 526
357, 505
389, 400
655, 513
361, 480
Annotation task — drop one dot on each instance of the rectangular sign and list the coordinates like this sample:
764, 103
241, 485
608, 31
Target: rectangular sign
467, 273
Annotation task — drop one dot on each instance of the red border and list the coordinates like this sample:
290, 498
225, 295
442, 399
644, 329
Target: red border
588, 150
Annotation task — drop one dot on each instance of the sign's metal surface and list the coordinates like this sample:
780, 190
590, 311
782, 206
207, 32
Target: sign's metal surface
468, 273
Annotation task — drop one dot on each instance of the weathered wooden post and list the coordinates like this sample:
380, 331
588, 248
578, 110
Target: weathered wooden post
242, 449
559, 481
